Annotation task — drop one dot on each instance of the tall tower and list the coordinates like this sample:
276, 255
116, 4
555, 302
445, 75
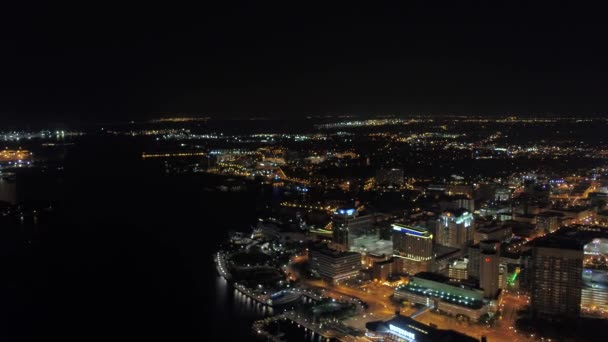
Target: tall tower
455, 228
489, 267
348, 225
556, 280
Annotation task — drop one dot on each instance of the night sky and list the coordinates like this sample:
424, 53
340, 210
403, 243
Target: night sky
111, 62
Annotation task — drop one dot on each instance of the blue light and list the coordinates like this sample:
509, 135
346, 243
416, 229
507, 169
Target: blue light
346, 211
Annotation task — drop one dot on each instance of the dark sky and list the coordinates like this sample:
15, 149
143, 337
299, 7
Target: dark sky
111, 62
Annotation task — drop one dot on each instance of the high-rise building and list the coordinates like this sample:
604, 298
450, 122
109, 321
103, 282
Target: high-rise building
334, 265
455, 228
548, 222
474, 261
347, 225
489, 268
567, 273
412, 249
556, 278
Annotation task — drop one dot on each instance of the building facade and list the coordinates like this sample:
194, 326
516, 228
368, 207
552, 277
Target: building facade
412, 249
332, 265
556, 282
548, 222
348, 225
455, 228
401, 328
448, 296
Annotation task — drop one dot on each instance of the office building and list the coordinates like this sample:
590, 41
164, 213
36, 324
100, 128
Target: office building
383, 270
412, 249
489, 268
458, 269
569, 273
455, 228
548, 222
334, 265
348, 225
556, 281
557, 264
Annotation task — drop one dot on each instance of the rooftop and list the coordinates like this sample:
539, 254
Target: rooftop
332, 252
572, 237
456, 212
491, 229
400, 325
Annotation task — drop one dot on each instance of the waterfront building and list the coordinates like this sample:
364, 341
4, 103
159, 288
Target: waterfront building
401, 328
334, 265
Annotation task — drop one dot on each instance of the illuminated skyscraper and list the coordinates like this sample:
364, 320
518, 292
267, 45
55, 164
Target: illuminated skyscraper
347, 225
412, 249
455, 228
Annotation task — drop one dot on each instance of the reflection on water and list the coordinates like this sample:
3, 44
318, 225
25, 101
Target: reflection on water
244, 305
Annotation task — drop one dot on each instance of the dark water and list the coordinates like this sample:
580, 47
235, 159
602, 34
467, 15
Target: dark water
126, 255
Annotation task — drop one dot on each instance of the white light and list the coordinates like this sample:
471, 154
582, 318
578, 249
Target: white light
402, 333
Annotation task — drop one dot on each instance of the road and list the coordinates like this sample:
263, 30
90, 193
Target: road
503, 329
380, 307
376, 297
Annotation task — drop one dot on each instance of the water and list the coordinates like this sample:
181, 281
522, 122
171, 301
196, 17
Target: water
127, 254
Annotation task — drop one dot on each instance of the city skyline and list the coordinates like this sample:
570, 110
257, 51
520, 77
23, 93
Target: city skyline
406, 172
